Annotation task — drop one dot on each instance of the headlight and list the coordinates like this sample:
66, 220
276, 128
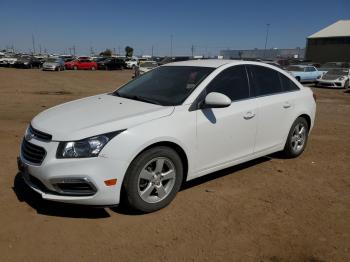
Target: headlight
26, 63
341, 78
89, 147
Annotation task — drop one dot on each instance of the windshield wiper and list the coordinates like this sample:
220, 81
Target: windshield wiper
138, 98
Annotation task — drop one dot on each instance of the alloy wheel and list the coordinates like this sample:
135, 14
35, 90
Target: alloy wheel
298, 137
156, 180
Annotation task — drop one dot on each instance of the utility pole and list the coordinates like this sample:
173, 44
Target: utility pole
33, 40
192, 50
40, 49
267, 36
74, 50
152, 50
171, 45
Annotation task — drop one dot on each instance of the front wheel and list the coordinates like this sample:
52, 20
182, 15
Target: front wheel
297, 138
153, 179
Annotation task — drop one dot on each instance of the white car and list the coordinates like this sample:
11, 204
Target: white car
175, 123
132, 63
144, 67
335, 78
8, 61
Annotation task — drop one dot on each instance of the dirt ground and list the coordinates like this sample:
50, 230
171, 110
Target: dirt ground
270, 209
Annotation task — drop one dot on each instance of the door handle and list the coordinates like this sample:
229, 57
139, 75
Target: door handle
249, 115
287, 105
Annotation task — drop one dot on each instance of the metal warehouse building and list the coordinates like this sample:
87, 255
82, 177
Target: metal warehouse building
331, 44
271, 54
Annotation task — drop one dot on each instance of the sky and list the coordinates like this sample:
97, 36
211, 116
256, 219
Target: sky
208, 26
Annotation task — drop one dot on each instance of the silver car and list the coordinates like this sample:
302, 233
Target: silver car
53, 64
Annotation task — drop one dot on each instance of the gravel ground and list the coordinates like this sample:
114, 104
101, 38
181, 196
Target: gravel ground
270, 209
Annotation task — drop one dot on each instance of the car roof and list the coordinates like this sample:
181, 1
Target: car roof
214, 63
302, 66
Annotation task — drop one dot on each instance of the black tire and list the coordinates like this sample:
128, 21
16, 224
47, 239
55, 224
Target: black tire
289, 150
75, 68
298, 79
131, 186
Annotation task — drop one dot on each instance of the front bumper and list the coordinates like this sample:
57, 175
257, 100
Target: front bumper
331, 83
43, 178
49, 68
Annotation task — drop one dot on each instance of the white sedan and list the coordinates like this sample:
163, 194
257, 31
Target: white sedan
335, 78
175, 123
144, 67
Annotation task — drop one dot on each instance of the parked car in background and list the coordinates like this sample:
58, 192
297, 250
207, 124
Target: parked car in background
28, 62
336, 78
111, 63
175, 123
8, 61
82, 63
53, 64
67, 58
305, 73
131, 63
145, 67
333, 65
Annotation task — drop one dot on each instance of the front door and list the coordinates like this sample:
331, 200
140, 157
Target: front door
226, 134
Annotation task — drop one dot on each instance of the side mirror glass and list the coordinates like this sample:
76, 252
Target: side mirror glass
216, 100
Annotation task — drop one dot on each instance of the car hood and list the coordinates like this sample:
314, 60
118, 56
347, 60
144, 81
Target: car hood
332, 76
96, 115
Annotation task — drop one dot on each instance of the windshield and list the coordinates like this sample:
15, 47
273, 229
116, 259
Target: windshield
167, 86
295, 68
149, 64
338, 72
52, 60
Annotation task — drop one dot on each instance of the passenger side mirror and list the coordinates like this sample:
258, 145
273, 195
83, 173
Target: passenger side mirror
216, 100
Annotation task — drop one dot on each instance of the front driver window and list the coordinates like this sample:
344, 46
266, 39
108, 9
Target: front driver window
232, 82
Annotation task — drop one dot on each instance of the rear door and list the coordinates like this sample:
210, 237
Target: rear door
274, 108
226, 134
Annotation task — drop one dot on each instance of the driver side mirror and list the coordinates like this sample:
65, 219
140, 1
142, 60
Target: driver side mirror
216, 100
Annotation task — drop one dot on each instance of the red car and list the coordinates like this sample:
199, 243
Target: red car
81, 63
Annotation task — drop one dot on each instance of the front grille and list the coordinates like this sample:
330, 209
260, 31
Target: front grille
326, 84
39, 134
32, 153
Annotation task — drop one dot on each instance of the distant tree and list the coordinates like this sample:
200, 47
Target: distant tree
129, 51
107, 52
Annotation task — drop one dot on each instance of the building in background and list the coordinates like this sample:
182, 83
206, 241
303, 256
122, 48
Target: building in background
268, 54
331, 44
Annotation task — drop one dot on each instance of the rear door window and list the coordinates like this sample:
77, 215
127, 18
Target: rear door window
266, 81
287, 84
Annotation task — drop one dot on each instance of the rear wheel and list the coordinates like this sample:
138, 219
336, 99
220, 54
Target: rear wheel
75, 68
153, 179
297, 138
298, 79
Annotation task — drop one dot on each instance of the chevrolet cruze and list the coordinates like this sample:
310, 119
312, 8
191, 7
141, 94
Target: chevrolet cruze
173, 124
